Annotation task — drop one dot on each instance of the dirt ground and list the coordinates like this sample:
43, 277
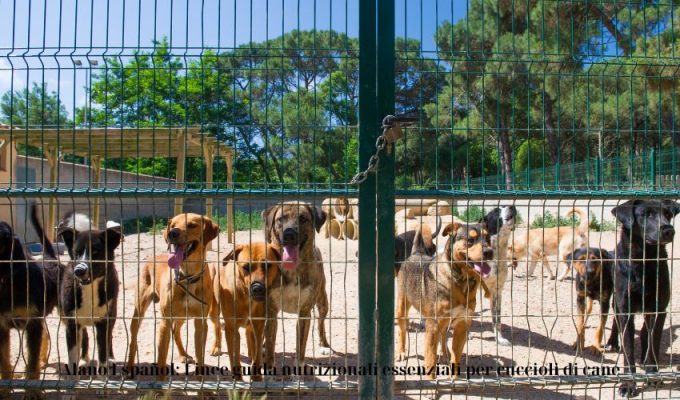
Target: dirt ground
537, 318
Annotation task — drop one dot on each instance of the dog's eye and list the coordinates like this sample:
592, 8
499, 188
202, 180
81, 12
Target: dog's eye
246, 268
191, 225
302, 219
470, 241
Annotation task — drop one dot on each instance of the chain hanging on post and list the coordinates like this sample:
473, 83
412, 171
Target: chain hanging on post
392, 132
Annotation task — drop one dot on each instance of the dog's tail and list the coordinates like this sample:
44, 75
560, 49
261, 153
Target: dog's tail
422, 240
48, 248
582, 227
439, 227
77, 221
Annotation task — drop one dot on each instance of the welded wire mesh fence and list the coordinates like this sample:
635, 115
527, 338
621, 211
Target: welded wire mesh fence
537, 118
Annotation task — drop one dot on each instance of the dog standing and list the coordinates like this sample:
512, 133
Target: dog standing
642, 281
291, 226
89, 289
500, 222
539, 243
182, 283
29, 290
593, 268
241, 285
444, 289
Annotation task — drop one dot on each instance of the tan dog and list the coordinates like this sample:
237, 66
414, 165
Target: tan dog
443, 290
291, 226
242, 284
182, 283
537, 244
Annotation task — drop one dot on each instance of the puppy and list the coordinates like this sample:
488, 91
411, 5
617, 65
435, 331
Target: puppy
641, 281
29, 290
182, 283
241, 285
593, 268
540, 243
403, 243
301, 285
443, 290
89, 288
500, 222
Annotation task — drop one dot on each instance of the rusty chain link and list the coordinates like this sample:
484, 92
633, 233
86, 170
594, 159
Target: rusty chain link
392, 132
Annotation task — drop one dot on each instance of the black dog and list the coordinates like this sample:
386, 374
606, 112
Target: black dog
89, 290
594, 267
29, 294
641, 280
403, 244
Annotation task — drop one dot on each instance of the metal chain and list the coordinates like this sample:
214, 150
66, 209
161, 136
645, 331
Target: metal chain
391, 133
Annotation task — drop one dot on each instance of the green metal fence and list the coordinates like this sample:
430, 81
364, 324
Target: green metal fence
134, 112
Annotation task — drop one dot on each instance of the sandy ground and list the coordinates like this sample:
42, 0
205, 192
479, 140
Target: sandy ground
537, 319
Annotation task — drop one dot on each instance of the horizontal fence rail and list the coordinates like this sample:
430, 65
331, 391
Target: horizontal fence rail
181, 186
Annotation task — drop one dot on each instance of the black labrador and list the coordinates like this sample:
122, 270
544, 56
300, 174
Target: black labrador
641, 280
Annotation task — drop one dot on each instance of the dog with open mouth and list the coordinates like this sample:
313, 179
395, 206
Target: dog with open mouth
89, 288
241, 284
301, 285
443, 290
182, 283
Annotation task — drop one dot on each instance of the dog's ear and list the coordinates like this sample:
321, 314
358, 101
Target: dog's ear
451, 228
673, 206
319, 216
605, 255
233, 254
210, 230
166, 231
68, 235
268, 218
275, 251
112, 237
625, 213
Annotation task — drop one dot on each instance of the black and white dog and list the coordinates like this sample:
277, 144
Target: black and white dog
89, 289
500, 222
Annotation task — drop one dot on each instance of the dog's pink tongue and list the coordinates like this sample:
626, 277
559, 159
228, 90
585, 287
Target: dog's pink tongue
176, 257
483, 268
289, 260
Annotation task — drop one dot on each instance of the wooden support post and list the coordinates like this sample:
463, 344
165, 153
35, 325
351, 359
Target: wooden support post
231, 238
209, 156
179, 178
53, 161
95, 166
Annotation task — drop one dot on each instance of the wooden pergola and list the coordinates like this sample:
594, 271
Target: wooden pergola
97, 144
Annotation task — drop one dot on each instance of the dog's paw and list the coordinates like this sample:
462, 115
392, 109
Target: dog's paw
628, 390
216, 352
595, 350
612, 347
502, 341
186, 360
325, 351
401, 356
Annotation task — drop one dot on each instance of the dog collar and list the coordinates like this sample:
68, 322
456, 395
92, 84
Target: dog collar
189, 279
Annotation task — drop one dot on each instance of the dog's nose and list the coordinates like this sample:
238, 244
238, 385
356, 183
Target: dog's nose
80, 270
667, 232
174, 233
488, 254
290, 235
257, 290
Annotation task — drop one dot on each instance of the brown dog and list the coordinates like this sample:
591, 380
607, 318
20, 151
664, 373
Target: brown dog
241, 284
444, 290
539, 243
182, 283
302, 283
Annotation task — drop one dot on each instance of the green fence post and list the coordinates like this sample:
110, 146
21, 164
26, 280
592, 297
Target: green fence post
385, 193
368, 133
652, 167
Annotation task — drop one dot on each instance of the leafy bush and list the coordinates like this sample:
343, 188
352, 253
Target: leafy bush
603, 226
548, 220
153, 225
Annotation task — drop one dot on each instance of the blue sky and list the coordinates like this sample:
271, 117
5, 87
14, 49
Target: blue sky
41, 38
